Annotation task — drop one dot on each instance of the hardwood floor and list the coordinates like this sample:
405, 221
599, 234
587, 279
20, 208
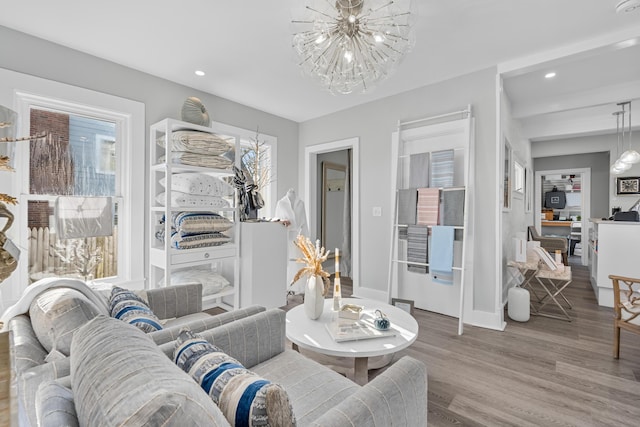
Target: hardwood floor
544, 372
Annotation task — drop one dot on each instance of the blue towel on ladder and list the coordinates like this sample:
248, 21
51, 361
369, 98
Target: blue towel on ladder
441, 254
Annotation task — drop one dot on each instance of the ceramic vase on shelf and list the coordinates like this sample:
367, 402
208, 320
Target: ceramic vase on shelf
313, 298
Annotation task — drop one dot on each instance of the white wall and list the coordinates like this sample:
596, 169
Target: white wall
374, 123
516, 218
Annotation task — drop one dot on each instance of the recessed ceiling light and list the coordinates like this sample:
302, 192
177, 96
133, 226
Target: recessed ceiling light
550, 75
200, 73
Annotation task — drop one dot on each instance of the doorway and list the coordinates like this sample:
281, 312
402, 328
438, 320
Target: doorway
576, 186
324, 165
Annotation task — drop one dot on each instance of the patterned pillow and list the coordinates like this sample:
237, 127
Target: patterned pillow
130, 308
200, 222
185, 200
180, 240
244, 398
56, 314
199, 183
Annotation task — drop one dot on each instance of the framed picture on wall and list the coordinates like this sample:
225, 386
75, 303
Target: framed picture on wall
628, 185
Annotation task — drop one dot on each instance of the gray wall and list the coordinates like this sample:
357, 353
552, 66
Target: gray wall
600, 178
374, 123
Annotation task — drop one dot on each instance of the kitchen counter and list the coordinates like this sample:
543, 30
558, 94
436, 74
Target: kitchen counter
613, 249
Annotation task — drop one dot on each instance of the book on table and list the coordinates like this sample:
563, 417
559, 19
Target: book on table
354, 330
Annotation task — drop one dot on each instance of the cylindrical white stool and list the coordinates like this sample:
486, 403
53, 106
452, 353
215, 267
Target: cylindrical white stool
518, 304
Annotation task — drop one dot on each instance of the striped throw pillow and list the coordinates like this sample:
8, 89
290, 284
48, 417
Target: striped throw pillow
244, 398
130, 308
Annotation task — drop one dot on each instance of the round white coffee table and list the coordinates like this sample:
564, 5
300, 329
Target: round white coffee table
313, 335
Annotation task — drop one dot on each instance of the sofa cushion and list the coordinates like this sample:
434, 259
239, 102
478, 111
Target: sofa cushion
124, 380
57, 313
130, 308
245, 398
312, 388
55, 405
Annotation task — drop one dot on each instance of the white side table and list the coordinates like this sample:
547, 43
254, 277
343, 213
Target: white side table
312, 334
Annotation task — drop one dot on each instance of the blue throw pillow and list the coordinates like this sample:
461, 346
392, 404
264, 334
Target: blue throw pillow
244, 398
130, 308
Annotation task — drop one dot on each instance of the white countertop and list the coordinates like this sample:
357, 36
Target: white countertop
606, 221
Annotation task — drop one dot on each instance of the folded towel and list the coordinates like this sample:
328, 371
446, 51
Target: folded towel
417, 244
452, 208
442, 169
441, 260
419, 170
428, 206
407, 206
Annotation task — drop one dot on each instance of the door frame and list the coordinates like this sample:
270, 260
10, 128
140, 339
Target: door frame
311, 192
585, 192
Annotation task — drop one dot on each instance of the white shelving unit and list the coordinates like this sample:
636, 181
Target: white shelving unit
450, 132
163, 259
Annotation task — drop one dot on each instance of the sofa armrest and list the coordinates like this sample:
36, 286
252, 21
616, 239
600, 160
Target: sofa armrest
170, 334
175, 301
251, 340
396, 397
29, 382
27, 350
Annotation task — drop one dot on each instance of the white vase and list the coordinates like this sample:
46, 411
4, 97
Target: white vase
313, 298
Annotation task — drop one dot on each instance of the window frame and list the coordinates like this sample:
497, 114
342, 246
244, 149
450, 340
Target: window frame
129, 117
272, 142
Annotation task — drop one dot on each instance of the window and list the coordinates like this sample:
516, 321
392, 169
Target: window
85, 161
519, 179
259, 160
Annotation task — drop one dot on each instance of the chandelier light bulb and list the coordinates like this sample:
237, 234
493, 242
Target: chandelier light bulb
348, 55
321, 38
379, 38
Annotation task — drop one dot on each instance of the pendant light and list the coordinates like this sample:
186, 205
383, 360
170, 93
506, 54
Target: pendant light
630, 156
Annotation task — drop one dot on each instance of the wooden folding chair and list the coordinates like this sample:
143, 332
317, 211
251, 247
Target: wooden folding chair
626, 303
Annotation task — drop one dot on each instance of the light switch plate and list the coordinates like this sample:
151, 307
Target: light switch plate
377, 211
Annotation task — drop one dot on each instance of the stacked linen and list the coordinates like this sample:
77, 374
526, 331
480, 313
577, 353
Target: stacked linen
197, 190
197, 229
195, 148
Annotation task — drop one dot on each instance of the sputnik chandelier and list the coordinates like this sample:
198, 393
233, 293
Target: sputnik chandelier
630, 156
350, 45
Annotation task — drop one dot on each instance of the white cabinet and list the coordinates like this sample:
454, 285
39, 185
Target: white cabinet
164, 257
612, 250
263, 255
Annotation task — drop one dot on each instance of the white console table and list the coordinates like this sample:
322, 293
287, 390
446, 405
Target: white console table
613, 249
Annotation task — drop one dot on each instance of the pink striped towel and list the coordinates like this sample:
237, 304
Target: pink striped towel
428, 206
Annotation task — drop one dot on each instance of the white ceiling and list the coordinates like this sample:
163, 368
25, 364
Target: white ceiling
245, 45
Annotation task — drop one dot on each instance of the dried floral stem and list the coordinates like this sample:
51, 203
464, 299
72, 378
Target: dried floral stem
313, 256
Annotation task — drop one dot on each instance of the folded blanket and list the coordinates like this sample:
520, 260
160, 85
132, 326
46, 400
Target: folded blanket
205, 161
35, 289
441, 257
